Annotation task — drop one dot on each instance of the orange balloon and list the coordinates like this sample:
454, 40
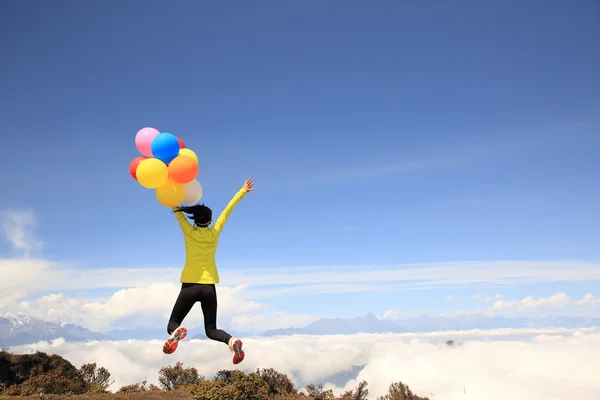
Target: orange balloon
183, 169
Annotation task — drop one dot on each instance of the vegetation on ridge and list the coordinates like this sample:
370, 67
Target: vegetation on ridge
44, 376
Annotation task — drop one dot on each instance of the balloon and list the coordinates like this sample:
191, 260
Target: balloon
171, 194
165, 147
181, 144
183, 169
152, 173
143, 140
189, 153
134, 164
193, 192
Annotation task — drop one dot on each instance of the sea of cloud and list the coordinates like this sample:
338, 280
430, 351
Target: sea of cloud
520, 364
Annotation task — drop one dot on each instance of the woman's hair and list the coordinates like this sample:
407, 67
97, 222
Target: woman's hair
200, 214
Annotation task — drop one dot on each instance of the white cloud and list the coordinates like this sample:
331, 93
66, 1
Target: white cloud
558, 300
150, 303
453, 273
270, 320
532, 364
390, 314
531, 305
492, 298
393, 315
487, 299
23, 277
448, 298
149, 307
18, 227
46, 275
589, 300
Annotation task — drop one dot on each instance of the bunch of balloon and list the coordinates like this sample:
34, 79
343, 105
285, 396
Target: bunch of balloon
166, 166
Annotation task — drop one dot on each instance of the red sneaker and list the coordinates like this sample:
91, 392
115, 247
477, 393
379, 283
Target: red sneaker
236, 348
172, 342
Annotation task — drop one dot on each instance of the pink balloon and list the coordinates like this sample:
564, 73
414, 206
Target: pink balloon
143, 140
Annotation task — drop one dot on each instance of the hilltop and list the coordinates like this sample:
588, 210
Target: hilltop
44, 376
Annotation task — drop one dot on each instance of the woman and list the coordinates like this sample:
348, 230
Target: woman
200, 274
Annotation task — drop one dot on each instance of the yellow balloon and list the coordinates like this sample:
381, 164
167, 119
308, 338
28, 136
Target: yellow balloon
152, 173
188, 153
171, 194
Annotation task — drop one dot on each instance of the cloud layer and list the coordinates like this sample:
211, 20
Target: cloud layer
529, 305
527, 364
265, 283
150, 307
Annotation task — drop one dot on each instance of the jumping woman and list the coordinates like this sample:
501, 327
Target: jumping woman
200, 274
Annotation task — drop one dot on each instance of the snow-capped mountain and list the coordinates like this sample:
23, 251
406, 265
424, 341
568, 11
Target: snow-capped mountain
425, 323
21, 328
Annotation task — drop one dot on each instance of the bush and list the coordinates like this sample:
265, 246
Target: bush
318, 393
213, 390
47, 383
135, 388
290, 396
96, 380
224, 375
278, 383
17, 368
360, 393
249, 386
139, 387
154, 388
232, 385
400, 391
172, 378
12, 390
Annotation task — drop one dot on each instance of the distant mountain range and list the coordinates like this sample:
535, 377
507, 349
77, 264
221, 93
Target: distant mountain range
22, 329
372, 324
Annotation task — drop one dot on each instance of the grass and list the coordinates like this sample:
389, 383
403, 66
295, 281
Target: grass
162, 395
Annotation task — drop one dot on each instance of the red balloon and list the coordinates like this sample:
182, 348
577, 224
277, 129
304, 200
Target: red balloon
181, 144
134, 164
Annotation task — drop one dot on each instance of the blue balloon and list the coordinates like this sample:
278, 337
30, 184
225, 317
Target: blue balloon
165, 147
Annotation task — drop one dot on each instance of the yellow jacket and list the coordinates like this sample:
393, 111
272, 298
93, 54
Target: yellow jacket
201, 245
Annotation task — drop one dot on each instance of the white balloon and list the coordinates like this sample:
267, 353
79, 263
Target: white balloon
193, 192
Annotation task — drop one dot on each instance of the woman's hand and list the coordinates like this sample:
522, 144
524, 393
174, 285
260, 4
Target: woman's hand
249, 185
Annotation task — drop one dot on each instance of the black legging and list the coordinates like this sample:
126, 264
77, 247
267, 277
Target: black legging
207, 296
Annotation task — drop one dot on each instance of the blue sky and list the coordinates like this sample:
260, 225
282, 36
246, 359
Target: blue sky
377, 133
